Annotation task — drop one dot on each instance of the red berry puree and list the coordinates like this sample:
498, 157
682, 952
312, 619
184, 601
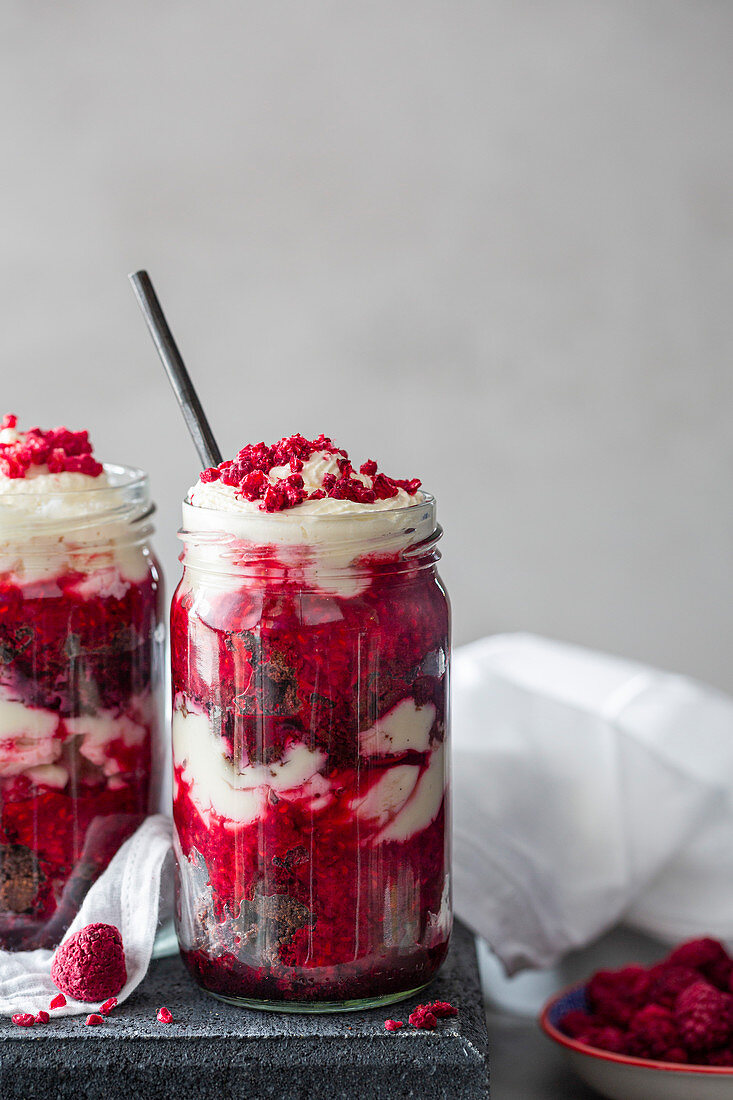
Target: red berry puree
79, 607
309, 742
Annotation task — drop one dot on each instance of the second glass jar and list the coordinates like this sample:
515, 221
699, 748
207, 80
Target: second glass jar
310, 688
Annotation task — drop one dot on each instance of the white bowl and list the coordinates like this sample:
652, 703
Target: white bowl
621, 1077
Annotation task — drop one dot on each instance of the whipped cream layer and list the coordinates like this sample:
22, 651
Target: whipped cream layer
404, 799
53, 523
34, 742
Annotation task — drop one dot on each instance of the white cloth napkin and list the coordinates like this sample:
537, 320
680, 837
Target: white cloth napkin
587, 790
134, 894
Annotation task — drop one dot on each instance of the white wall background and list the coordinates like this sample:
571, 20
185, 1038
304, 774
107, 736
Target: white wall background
486, 243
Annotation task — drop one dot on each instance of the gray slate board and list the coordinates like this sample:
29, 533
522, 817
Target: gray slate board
216, 1052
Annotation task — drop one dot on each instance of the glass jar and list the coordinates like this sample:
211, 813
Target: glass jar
310, 695
80, 673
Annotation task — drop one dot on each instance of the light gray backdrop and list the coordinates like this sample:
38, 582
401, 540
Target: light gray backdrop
486, 243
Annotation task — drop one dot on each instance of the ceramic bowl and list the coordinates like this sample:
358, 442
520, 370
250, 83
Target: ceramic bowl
621, 1077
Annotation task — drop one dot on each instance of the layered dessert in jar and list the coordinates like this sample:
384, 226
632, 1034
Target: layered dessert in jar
80, 671
310, 647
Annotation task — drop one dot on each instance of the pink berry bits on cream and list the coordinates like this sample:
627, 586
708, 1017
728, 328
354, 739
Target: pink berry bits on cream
56, 451
296, 470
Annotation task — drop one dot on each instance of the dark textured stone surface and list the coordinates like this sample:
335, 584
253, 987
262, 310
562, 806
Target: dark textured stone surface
212, 1050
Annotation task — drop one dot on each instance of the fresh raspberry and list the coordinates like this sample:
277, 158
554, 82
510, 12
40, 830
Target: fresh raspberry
94, 1020
9, 421
577, 1023
42, 1017
615, 995
676, 1054
24, 1019
652, 1032
90, 965
703, 1016
607, 1038
666, 982
164, 1015
58, 1002
393, 1025
107, 1007
706, 955
720, 1058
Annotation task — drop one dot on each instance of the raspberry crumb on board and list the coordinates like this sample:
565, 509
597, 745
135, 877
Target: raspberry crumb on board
42, 1017
24, 1019
680, 1010
90, 965
164, 1015
94, 1020
425, 1017
442, 1009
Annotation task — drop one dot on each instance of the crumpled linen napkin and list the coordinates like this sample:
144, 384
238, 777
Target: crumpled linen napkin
588, 790
134, 893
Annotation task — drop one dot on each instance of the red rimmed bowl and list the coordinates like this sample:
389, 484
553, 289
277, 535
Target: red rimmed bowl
622, 1077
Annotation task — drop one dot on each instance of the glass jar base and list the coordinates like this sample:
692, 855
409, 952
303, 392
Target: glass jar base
315, 1007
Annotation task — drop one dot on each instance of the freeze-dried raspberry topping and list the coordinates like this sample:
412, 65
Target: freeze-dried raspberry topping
61, 450
106, 1008
58, 1002
90, 965
42, 1017
272, 475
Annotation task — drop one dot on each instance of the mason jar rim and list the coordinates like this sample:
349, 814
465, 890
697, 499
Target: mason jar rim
247, 537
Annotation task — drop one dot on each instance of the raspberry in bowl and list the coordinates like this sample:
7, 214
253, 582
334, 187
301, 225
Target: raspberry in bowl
664, 1031
80, 671
310, 648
